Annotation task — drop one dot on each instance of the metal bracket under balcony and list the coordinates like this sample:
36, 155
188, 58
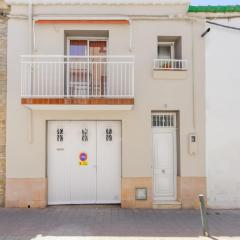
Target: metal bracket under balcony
77, 82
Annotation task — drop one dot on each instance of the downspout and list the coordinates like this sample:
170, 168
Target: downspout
30, 26
193, 81
130, 36
30, 41
33, 36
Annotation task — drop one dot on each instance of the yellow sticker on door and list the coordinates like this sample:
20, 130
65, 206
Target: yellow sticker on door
83, 157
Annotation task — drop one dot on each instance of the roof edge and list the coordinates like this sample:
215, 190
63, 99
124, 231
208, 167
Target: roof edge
99, 2
214, 9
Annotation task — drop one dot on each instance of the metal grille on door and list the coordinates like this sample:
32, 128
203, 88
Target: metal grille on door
164, 120
60, 134
85, 135
108, 134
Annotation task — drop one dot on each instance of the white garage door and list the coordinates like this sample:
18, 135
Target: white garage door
84, 162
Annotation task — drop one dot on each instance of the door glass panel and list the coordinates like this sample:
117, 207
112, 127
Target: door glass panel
97, 48
78, 68
98, 67
87, 76
78, 48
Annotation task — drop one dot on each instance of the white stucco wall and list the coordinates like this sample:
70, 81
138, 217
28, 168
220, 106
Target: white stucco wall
185, 96
223, 115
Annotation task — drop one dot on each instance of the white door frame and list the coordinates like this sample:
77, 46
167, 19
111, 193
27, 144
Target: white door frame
166, 129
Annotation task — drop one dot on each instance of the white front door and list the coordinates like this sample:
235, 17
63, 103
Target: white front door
83, 157
164, 156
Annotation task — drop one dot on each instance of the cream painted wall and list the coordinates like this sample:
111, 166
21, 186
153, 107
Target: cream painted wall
85, 10
28, 160
54, 42
223, 115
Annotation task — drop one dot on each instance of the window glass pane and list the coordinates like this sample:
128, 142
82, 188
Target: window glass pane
78, 48
97, 48
164, 52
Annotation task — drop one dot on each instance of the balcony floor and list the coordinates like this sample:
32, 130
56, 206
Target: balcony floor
78, 103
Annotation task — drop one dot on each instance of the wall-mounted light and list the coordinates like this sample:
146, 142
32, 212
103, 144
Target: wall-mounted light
141, 193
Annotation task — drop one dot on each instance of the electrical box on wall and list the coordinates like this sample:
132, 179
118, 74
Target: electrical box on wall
193, 143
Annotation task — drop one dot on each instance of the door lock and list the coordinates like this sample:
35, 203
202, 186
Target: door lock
163, 171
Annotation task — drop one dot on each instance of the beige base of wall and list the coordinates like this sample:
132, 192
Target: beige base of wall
188, 189
24, 192
128, 192
33, 192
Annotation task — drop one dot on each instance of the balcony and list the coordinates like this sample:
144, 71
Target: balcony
169, 69
77, 82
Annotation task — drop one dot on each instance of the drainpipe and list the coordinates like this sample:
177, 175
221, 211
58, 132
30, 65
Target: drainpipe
193, 80
130, 36
30, 26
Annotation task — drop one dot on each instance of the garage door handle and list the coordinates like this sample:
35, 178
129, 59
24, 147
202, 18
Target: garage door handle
60, 149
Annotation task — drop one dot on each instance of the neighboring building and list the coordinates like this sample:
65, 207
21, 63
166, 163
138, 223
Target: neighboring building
222, 104
3, 96
108, 105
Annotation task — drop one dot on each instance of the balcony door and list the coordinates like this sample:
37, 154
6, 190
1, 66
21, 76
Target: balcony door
86, 67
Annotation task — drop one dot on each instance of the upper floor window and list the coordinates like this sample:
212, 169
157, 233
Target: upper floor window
169, 47
86, 47
166, 50
86, 42
168, 57
78, 47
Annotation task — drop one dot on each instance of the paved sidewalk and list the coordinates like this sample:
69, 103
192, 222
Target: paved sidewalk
111, 222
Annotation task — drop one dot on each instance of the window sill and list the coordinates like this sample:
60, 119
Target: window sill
169, 74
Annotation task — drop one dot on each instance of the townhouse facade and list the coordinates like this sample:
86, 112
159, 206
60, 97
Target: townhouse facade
105, 104
3, 96
222, 138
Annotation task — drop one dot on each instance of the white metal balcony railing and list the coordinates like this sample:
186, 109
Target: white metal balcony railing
54, 76
170, 64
